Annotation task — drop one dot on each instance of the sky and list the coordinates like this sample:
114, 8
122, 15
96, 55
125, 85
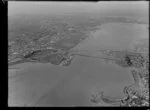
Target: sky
115, 8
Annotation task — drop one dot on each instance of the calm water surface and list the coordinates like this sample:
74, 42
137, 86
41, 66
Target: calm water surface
50, 85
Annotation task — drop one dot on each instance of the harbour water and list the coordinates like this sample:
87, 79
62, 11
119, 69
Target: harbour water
51, 85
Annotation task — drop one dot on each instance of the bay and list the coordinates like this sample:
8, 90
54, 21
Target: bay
51, 85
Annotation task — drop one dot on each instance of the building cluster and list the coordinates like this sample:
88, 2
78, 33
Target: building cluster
136, 94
